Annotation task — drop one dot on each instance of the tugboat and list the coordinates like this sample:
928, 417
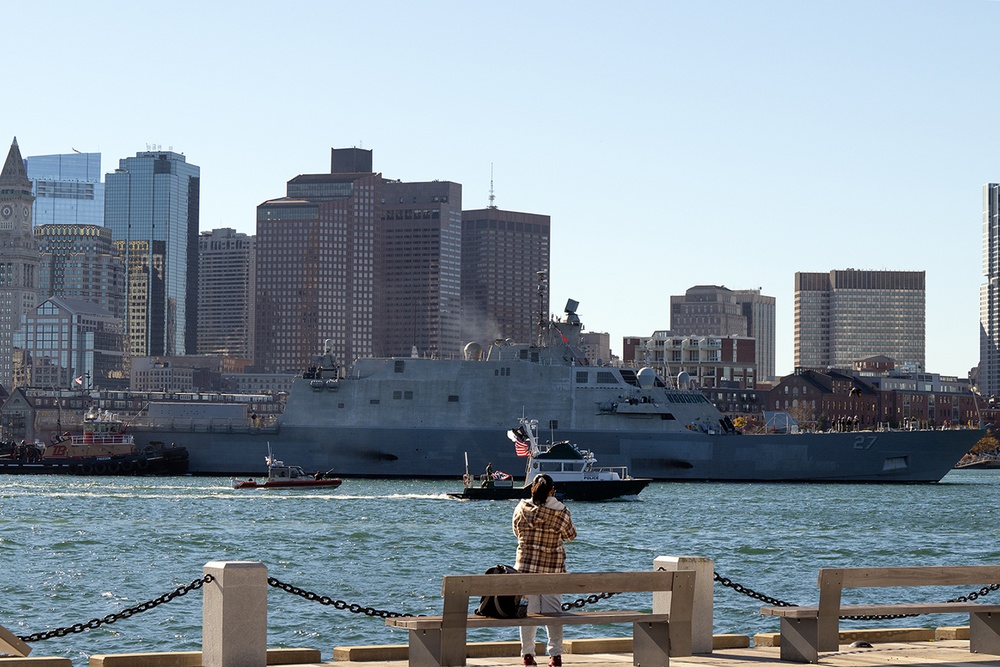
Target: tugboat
572, 469
104, 448
280, 476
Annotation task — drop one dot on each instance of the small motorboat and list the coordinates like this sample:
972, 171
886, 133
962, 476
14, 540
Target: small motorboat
281, 476
572, 469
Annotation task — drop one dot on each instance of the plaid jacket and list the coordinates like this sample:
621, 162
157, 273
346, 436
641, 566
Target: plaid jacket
540, 532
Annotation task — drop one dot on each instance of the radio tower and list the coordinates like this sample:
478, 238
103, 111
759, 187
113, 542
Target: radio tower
492, 197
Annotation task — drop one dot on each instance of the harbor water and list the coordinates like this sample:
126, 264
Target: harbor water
74, 549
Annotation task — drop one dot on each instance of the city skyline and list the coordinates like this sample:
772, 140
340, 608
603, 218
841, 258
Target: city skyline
717, 143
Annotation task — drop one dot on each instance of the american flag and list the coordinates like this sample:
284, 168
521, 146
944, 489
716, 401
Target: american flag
499, 474
520, 439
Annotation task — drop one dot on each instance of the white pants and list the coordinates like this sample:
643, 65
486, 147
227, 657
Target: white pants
543, 604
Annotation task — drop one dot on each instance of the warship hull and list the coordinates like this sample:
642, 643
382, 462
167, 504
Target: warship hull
408, 418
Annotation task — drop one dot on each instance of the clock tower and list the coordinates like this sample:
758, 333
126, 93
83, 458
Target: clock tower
18, 258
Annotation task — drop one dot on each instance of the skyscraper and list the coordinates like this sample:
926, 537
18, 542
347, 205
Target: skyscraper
760, 312
421, 251
226, 289
849, 315
710, 310
67, 188
989, 295
316, 271
18, 257
504, 255
81, 261
151, 207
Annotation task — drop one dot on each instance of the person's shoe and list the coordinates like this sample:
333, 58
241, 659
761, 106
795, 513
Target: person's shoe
529, 660
555, 661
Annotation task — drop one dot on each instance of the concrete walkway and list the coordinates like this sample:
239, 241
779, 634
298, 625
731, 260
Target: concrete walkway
953, 653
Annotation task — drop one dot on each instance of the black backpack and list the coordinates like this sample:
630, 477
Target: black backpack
501, 606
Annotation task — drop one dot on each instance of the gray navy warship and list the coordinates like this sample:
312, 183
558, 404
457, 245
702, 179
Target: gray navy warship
414, 417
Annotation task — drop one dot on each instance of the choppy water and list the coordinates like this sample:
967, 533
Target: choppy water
73, 549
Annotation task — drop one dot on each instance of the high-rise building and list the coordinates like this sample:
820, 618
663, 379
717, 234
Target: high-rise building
504, 256
421, 251
226, 289
847, 315
67, 188
707, 309
760, 311
72, 344
710, 310
18, 258
316, 274
151, 207
989, 295
81, 261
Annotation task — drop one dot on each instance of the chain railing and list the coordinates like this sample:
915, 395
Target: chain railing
336, 604
739, 588
180, 591
381, 613
95, 623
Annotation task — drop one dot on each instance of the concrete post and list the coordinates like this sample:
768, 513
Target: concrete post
702, 623
234, 615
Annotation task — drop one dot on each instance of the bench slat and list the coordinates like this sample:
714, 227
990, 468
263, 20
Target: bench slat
871, 577
565, 618
476, 585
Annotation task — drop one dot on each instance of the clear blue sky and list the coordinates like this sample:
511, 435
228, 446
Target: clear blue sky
673, 143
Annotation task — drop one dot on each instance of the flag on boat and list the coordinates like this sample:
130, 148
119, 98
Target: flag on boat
520, 439
500, 475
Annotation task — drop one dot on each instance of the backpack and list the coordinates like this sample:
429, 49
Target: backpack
501, 606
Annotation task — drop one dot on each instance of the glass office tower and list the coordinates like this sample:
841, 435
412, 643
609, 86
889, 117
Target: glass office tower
151, 207
67, 188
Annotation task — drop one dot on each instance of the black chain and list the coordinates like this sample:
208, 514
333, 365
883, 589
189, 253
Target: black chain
95, 623
749, 592
381, 613
336, 604
590, 599
985, 590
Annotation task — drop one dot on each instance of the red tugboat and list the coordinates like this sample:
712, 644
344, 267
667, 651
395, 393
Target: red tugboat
104, 448
280, 476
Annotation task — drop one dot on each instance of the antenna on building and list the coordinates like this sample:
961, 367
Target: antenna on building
492, 196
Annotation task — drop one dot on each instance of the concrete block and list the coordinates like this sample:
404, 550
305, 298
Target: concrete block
721, 642
40, 661
951, 632
887, 635
234, 615
160, 659
872, 636
590, 646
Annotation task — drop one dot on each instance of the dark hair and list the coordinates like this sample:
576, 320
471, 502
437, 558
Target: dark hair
540, 489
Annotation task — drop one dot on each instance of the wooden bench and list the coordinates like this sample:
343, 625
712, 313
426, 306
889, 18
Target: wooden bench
440, 641
805, 631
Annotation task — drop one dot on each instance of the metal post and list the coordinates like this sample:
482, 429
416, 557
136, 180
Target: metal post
702, 624
234, 615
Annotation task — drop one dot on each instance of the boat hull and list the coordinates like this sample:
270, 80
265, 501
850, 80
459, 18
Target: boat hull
417, 418
889, 456
168, 462
290, 484
595, 490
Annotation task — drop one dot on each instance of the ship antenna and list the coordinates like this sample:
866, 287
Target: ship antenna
492, 196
